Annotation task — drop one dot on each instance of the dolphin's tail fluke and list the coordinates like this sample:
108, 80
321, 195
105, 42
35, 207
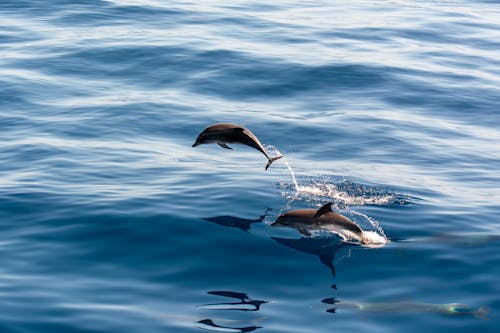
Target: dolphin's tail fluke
272, 159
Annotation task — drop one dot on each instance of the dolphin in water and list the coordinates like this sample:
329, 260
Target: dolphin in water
224, 133
464, 239
324, 218
454, 309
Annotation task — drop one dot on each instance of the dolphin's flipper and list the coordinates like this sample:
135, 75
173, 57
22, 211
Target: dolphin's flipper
324, 209
271, 160
223, 145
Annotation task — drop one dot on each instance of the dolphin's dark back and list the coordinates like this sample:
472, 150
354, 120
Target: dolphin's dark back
304, 216
307, 217
232, 133
252, 141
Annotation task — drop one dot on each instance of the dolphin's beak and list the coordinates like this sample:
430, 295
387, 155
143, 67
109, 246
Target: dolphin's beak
195, 144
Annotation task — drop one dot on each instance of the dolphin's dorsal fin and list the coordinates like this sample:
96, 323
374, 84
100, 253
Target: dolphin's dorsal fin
323, 210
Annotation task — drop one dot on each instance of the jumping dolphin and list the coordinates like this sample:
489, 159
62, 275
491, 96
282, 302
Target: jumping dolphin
224, 133
305, 220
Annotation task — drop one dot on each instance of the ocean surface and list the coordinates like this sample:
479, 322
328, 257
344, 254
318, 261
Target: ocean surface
111, 222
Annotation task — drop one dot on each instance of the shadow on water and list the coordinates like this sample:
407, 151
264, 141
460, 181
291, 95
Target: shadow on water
243, 303
236, 222
324, 248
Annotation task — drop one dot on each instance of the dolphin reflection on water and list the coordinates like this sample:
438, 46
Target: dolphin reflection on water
236, 222
454, 309
209, 325
324, 248
225, 133
245, 303
239, 302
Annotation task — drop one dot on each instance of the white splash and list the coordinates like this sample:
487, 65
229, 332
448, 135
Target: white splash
373, 239
331, 191
369, 238
373, 222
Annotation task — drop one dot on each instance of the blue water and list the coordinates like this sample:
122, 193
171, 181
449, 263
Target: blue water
111, 222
